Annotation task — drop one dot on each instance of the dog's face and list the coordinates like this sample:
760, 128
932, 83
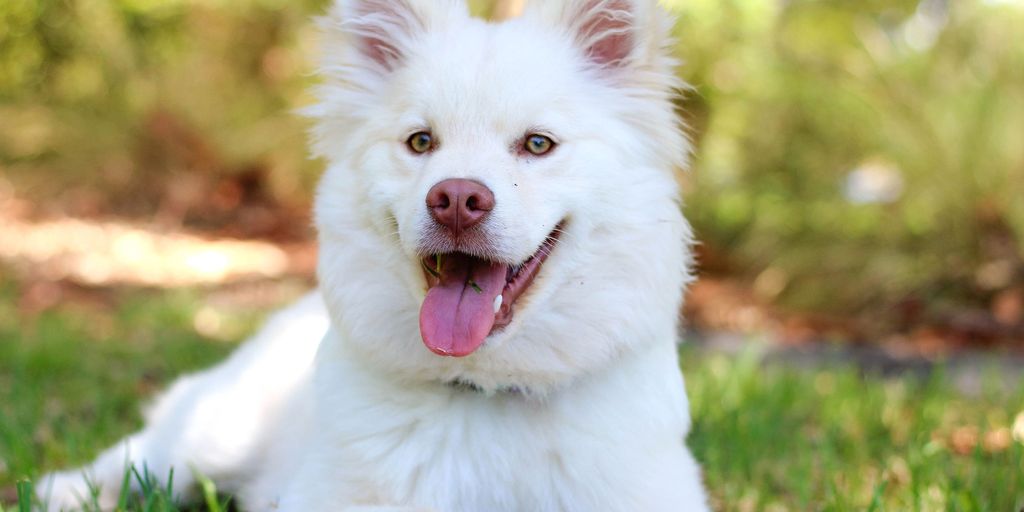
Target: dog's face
499, 207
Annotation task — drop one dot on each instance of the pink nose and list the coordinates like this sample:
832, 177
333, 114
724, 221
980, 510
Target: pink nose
459, 204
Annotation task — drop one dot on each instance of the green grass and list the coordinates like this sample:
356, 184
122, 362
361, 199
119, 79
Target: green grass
769, 437
775, 438
154, 496
72, 380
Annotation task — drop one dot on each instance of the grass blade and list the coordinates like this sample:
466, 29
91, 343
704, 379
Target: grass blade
126, 484
876, 500
170, 484
24, 496
209, 493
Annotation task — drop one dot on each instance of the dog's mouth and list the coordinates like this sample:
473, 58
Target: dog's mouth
469, 297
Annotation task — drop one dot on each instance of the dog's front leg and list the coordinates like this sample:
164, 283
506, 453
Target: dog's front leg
216, 422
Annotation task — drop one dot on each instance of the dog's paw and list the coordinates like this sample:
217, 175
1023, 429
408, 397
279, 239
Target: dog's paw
68, 491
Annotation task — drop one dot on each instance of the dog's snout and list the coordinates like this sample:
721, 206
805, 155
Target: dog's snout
459, 204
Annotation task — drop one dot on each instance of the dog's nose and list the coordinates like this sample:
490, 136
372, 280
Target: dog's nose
459, 204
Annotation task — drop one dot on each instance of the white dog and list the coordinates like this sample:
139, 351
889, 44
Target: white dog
502, 264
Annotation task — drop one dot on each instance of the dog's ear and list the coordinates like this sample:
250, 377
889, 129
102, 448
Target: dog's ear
383, 32
613, 34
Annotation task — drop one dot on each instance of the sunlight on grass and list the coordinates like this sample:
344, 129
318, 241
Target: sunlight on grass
772, 437
117, 253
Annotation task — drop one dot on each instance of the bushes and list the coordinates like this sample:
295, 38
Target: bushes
865, 152
132, 94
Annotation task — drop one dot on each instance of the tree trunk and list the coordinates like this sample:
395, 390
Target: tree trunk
505, 9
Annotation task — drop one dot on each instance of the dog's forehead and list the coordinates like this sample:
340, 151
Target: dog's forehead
503, 71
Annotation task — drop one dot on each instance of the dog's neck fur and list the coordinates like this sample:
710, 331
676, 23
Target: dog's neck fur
469, 386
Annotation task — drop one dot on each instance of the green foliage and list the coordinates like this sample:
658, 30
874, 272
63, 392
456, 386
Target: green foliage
794, 96
120, 93
72, 380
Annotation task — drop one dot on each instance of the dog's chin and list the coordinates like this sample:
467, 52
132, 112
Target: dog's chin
471, 296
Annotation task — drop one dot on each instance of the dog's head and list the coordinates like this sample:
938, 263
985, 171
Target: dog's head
500, 206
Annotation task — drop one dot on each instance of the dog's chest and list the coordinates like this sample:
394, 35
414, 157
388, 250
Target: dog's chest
475, 453
608, 443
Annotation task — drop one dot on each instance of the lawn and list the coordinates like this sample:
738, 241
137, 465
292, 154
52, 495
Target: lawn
770, 436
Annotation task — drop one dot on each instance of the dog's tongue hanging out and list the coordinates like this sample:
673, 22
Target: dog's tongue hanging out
458, 313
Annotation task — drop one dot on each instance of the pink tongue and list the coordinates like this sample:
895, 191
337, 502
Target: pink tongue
457, 316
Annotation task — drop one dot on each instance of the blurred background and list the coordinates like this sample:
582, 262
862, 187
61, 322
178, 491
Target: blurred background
858, 182
859, 166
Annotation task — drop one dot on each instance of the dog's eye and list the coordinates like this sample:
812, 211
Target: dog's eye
538, 145
420, 142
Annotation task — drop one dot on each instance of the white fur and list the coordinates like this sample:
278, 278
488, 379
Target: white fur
579, 403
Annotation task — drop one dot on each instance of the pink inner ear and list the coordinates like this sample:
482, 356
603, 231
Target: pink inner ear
380, 51
379, 27
606, 30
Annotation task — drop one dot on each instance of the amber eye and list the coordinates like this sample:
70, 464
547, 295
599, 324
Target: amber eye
538, 145
420, 142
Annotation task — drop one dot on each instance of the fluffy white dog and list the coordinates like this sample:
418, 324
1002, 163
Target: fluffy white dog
502, 264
